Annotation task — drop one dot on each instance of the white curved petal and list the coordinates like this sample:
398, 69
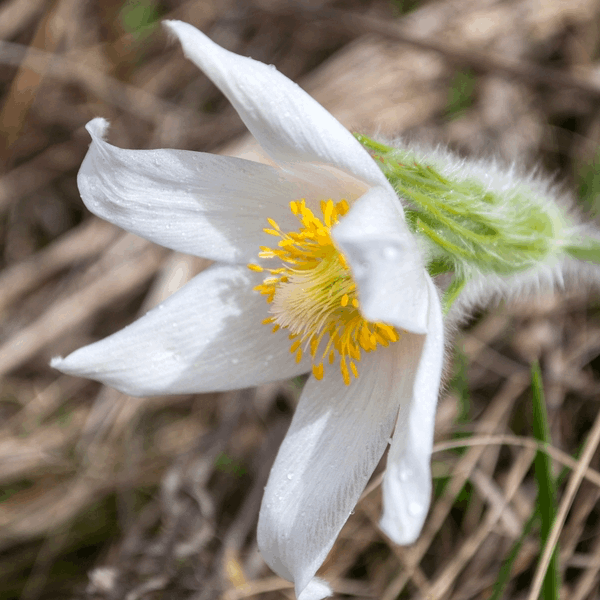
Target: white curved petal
337, 436
385, 261
206, 337
407, 480
289, 124
202, 204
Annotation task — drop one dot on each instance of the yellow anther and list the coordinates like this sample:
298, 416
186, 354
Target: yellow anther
388, 331
313, 295
318, 371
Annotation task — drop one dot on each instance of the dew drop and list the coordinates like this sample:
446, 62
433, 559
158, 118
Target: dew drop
414, 508
290, 476
390, 252
235, 361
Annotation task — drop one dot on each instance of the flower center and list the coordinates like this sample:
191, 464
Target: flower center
313, 295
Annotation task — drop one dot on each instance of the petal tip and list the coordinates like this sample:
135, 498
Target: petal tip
188, 36
56, 361
316, 589
403, 536
171, 25
97, 128
64, 365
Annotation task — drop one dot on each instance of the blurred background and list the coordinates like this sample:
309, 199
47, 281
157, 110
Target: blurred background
104, 496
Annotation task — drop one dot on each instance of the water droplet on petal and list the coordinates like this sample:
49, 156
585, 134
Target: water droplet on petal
414, 508
405, 474
290, 475
390, 252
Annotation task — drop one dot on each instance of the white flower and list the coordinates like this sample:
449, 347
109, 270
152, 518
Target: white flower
211, 335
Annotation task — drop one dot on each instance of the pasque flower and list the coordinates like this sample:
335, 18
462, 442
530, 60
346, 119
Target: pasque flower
316, 271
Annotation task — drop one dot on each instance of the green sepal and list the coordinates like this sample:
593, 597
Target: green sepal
465, 224
452, 293
589, 251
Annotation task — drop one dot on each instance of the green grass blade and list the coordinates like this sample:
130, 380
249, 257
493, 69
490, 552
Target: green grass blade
546, 500
545, 508
507, 565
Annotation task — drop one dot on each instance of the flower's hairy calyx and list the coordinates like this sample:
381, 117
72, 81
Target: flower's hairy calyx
313, 295
471, 227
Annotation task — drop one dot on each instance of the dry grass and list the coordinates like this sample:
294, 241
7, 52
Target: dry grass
103, 496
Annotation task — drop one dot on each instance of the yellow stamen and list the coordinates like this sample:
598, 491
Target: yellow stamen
318, 371
313, 295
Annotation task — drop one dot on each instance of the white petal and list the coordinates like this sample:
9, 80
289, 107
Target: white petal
385, 261
203, 204
208, 336
289, 124
407, 481
337, 436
